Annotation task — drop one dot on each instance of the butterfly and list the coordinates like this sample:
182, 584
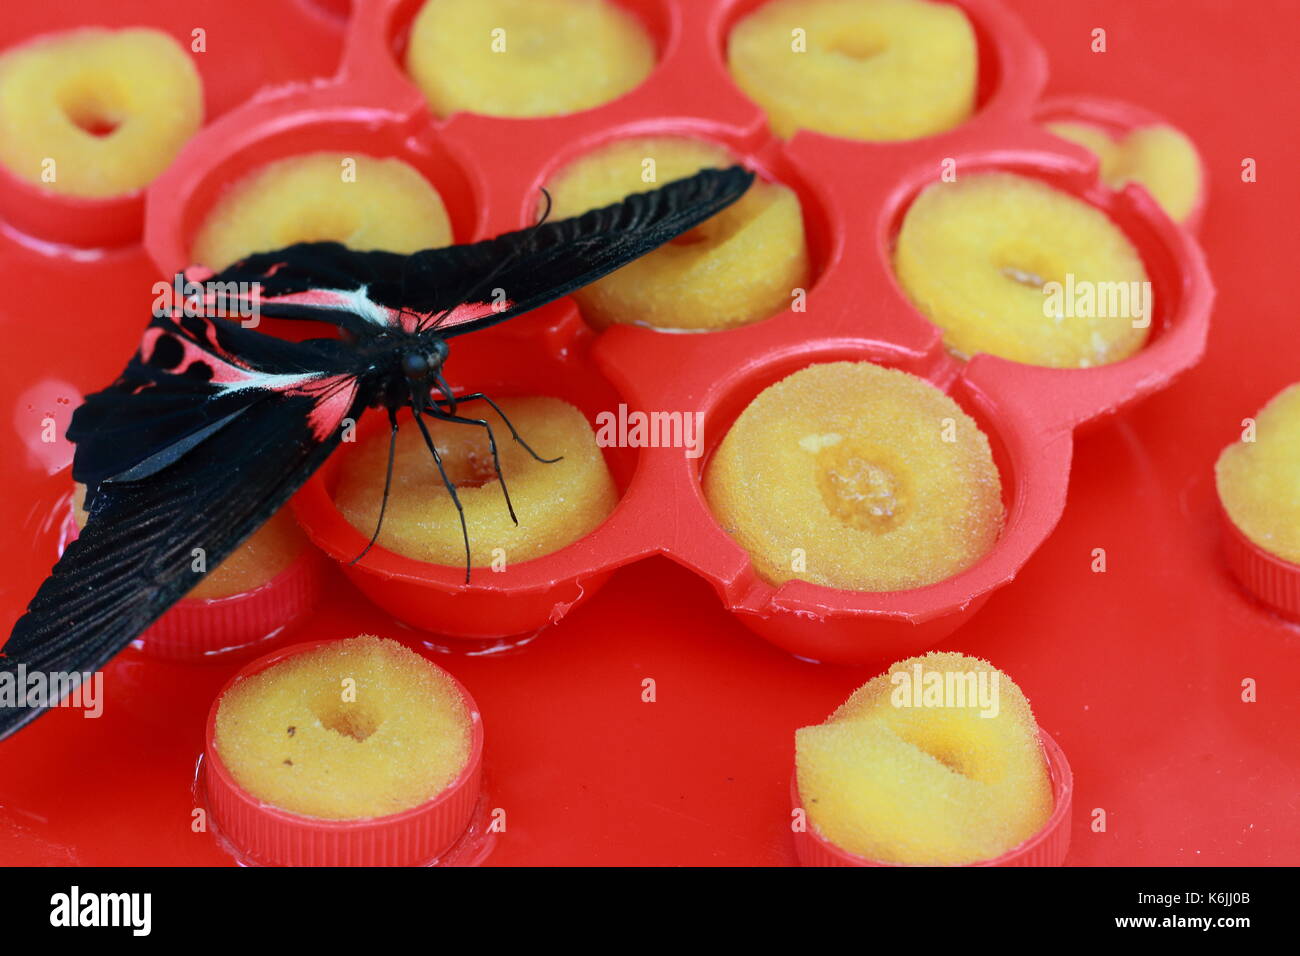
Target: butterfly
214, 425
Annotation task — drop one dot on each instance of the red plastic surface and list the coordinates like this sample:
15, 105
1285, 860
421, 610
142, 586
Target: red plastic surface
1137, 671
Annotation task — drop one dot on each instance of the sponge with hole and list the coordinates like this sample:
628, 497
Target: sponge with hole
353, 729
95, 112
1011, 266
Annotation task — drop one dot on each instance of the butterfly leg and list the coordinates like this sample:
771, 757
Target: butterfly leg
447, 482
388, 483
443, 416
497, 408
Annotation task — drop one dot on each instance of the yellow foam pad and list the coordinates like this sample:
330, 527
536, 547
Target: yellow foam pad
1097, 141
859, 477
861, 69
742, 265
927, 779
354, 729
267, 552
1159, 157
556, 503
109, 108
1259, 481
978, 257
361, 201
525, 57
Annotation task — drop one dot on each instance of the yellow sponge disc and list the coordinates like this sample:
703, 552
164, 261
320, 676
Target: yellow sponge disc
742, 265
556, 503
361, 201
936, 761
525, 57
1008, 265
1159, 157
96, 112
861, 69
854, 476
1259, 481
354, 729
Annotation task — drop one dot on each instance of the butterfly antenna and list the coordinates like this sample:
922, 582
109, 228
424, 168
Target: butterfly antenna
388, 483
417, 407
546, 213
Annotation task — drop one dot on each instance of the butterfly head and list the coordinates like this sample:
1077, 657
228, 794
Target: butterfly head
423, 363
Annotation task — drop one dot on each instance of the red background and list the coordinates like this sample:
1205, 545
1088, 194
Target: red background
1136, 672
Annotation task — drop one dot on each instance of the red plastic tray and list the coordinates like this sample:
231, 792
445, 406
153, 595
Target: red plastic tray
1135, 672
854, 196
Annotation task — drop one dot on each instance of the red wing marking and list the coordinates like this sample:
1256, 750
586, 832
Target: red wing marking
332, 395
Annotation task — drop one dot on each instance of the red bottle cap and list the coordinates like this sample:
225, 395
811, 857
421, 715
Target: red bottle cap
1273, 580
260, 834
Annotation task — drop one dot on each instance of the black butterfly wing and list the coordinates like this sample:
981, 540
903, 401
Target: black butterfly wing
321, 281
534, 266
190, 448
453, 288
